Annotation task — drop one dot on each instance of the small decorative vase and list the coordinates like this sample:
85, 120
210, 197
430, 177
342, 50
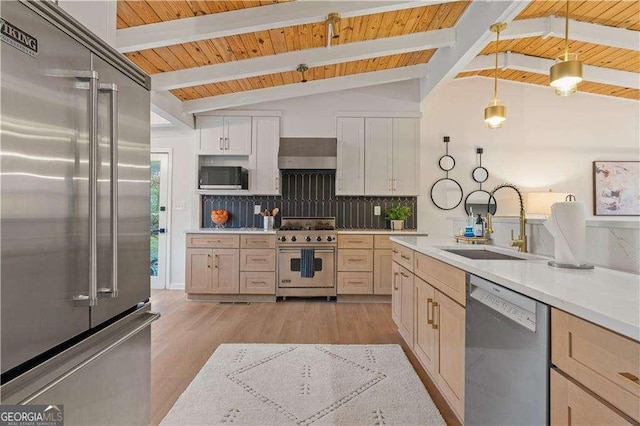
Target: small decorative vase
397, 225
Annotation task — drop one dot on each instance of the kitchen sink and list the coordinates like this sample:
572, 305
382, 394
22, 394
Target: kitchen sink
482, 254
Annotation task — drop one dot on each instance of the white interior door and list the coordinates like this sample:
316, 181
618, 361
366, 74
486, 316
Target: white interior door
159, 215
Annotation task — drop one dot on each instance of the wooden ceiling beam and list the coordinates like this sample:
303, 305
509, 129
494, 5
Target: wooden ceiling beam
473, 37
316, 57
553, 26
304, 89
250, 20
519, 62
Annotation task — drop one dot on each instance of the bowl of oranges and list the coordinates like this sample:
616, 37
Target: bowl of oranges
219, 217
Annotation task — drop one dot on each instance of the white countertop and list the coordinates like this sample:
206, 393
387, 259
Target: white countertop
603, 296
339, 231
230, 231
381, 232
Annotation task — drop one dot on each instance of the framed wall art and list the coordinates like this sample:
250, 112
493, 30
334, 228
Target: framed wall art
616, 188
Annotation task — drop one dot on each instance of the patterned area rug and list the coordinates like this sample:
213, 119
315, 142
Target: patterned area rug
255, 384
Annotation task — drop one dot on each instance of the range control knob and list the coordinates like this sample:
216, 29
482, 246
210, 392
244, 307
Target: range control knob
330, 239
283, 238
318, 238
293, 239
307, 238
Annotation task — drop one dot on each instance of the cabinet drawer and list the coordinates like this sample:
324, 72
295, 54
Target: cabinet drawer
572, 405
446, 278
355, 282
355, 241
382, 242
355, 260
213, 240
604, 362
257, 283
257, 260
257, 241
403, 255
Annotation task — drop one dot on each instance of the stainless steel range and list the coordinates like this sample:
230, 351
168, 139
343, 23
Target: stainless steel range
315, 238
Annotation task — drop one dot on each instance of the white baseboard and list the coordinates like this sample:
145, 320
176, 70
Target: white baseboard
175, 286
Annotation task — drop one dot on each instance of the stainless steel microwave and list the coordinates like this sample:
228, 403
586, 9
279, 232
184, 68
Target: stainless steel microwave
223, 177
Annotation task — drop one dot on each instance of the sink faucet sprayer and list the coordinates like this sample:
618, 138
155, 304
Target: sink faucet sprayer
521, 242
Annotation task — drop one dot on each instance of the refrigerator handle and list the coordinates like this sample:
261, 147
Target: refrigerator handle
91, 77
112, 90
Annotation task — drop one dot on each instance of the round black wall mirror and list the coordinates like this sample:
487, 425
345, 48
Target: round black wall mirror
480, 201
446, 194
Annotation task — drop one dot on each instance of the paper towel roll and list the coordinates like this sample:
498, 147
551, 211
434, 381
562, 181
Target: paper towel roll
567, 226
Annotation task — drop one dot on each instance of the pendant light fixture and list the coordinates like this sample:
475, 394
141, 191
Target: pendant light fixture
302, 69
495, 114
566, 73
333, 29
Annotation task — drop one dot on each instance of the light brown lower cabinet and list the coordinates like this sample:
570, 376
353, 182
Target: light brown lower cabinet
396, 297
405, 282
436, 332
449, 322
425, 332
602, 361
257, 282
213, 271
198, 271
572, 405
382, 275
355, 283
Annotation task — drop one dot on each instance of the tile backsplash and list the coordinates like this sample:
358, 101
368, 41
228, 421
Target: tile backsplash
307, 193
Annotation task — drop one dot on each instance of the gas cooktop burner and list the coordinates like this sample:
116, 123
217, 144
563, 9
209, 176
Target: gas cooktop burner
308, 228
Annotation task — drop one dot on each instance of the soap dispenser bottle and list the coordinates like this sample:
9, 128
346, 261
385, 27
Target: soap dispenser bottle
468, 229
478, 227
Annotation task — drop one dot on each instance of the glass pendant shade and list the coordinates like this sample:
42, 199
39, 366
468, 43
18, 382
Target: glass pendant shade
495, 114
565, 75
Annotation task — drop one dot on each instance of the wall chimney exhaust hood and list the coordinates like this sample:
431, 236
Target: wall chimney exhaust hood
307, 153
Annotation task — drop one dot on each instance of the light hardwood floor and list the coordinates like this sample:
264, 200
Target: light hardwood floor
189, 332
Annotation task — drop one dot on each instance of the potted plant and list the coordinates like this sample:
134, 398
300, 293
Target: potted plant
397, 215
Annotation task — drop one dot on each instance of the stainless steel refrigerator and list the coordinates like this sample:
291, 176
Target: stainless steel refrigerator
74, 222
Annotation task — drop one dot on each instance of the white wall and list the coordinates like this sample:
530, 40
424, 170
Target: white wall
184, 146
547, 142
98, 15
314, 116
311, 116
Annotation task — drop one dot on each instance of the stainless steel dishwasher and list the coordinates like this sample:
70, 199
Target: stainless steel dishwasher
507, 357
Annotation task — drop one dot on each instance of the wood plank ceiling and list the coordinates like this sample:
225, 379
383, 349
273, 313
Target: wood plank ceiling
615, 13
280, 40
620, 14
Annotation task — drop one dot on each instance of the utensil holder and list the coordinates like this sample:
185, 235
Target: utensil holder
268, 223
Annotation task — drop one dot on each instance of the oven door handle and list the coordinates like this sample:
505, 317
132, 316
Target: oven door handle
294, 250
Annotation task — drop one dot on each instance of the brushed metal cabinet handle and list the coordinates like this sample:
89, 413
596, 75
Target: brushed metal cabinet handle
405, 257
209, 261
221, 146
429, 302
433, 315
226, 143
631, 377
215, 257
395, 281
404, 275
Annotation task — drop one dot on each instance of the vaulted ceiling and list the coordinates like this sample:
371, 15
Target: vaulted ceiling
206, 55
